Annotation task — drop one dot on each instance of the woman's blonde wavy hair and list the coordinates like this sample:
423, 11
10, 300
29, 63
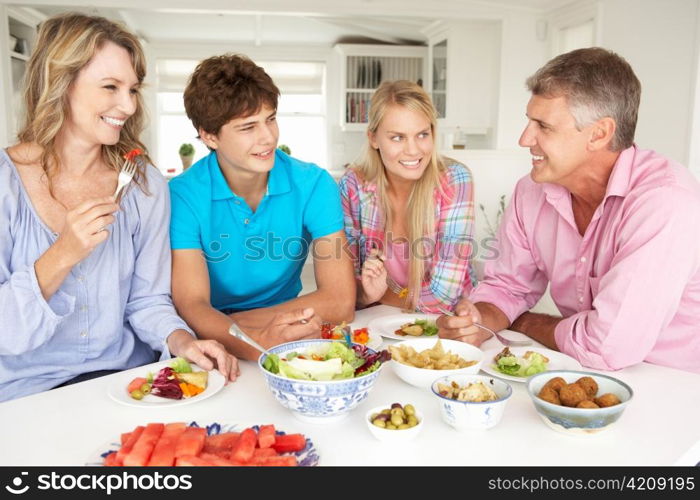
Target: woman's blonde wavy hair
66, 43
420, 213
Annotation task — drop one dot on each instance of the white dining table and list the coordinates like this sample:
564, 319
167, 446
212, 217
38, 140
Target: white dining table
661, 425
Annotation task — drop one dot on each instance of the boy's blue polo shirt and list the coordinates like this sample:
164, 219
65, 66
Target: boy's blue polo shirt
254, 258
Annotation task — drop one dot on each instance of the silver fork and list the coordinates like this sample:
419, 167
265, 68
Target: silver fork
125, 175
503, 340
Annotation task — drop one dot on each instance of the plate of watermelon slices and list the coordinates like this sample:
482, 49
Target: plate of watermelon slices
194, 444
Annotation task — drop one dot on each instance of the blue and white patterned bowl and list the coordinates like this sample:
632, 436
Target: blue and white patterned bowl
316, 401
579, 421
468, 415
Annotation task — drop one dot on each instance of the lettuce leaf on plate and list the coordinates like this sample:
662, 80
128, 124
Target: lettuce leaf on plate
526, 365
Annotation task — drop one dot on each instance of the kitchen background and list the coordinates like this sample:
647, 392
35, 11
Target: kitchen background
328, 55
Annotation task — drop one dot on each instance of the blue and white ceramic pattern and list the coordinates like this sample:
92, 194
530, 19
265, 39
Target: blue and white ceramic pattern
467, 415
579, 421
316, 401
308, 457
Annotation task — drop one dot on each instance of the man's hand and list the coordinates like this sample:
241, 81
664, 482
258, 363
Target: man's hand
461, 326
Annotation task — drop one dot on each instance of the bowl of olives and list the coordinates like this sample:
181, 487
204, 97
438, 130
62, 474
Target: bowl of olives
394, 422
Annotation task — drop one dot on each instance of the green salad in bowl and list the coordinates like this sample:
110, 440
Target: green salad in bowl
326, 361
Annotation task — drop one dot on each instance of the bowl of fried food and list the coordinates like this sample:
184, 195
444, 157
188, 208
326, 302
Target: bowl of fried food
471, 402
578, 402
420, 361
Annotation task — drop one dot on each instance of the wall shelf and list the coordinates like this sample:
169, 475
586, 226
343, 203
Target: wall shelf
364, 67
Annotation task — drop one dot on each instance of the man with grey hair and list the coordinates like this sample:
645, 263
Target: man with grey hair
612, 228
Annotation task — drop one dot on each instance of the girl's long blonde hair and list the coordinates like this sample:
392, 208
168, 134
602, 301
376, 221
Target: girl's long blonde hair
66, 43
420, 212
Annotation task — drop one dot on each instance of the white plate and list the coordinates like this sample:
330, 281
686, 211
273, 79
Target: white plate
557, 361
387, 325
117, 391
308, 457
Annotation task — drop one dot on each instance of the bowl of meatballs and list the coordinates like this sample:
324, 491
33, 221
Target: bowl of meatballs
578, 402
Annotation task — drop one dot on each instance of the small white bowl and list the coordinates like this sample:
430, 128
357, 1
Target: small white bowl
467, 415
423, 377
393, 435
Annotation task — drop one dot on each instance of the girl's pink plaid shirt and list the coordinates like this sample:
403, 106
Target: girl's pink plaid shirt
448, 252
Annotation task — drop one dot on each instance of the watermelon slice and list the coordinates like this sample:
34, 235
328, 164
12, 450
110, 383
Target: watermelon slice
289, 442
143, 448
191, 442
220, 444
127, 447
192, 461
243, 450
266, 436
164, 452
277, 461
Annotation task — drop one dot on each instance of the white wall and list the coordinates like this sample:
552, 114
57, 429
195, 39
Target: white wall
521, 54
659, 39
694, 161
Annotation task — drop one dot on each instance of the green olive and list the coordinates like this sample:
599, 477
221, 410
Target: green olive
409, 410
391, 426
386, 412
146, 389
374, 415
412, 420
379, 423
404, 426
137, 394
396, 420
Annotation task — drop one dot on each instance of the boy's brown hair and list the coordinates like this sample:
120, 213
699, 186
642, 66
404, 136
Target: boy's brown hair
226, 87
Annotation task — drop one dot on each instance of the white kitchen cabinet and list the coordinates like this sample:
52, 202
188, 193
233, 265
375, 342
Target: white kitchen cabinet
464, 59
364, 67
18, 29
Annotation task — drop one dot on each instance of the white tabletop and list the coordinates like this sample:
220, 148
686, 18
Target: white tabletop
660, 426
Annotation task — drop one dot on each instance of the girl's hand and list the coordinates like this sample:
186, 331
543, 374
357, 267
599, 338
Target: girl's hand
373, 277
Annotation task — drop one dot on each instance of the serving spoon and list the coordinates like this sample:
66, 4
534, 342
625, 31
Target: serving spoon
241, 335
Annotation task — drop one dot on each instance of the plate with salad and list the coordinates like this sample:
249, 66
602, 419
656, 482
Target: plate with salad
405, 325
520, 363
174, 382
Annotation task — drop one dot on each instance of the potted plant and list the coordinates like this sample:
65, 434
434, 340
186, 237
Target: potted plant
186, 155
285, 148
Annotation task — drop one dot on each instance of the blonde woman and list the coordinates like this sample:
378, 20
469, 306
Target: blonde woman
409, 212
85, 279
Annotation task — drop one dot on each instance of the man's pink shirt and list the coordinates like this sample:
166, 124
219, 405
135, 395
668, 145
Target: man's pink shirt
629, 288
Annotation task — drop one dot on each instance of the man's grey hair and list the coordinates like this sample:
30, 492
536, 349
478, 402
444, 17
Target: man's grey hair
596, 83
